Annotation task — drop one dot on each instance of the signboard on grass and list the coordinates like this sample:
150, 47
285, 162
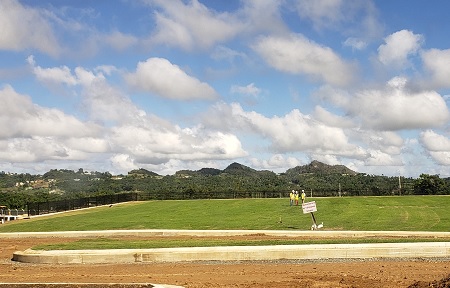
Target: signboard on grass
309, 207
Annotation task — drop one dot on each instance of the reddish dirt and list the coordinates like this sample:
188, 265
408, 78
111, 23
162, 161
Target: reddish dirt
419, 273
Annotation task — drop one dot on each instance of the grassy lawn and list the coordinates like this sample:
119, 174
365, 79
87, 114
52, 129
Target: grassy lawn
406, 213
110, 243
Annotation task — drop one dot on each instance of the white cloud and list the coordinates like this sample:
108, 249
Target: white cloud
392, 107
26, 119
398, 47
34, 149
293, 132
297, 55
123, 162
323, 13
357, 44
119, 41
441, 157
262, 16
192, 25
383, 141
37, 133
59, 75
379, 158
105, 103
25, 27
153, 145
250, 89
437, 145
226, 53
437, 63
325, 158
341, 16
435, 142
88, 144
276, 162
159, 76
330, 119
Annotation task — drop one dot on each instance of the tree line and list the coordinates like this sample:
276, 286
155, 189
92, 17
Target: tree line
237, 181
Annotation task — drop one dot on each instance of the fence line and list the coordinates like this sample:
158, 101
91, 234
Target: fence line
38, 208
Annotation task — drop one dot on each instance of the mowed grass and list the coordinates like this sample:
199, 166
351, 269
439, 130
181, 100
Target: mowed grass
164, 242
406, 213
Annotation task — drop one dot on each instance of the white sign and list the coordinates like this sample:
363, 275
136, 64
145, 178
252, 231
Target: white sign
309, 207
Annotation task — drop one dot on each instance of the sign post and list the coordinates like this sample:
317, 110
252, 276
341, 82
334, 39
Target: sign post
310, 207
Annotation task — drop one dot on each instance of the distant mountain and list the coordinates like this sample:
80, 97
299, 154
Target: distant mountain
142, 172
242, 170
201, 172
209, 171
317, 167
232, 169
238, 169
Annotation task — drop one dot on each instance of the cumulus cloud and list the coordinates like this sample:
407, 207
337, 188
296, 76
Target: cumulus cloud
262, 16
36, 149
132, 136
437, 64
26, 119
24, 27
330, 119
341, 16
37, 133
434, 141
275, 162
398, 47
391, 107
297, 55
152, 145
203, 28
437, 145
379, 158
159, 76
387, 142
60, 75
293, 132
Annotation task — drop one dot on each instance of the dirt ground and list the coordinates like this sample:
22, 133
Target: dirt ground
418, 273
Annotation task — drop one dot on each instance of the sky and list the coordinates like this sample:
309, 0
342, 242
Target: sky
168, 85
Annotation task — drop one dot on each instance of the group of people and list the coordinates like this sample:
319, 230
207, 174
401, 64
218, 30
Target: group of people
294, 197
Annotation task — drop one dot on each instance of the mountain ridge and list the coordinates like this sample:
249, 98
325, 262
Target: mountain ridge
236, 168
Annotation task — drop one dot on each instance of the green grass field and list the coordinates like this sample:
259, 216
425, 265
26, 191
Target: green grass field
406, 213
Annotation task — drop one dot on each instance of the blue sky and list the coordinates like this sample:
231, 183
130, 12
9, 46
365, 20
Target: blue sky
169, 85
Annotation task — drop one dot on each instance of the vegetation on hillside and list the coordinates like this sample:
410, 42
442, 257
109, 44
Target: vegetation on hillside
235, 181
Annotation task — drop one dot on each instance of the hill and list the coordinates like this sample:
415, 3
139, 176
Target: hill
320, 168
142, 172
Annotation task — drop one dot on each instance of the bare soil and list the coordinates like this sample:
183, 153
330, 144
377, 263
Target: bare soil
416, 273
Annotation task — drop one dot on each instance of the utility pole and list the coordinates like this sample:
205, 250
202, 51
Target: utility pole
399, 186
339, 189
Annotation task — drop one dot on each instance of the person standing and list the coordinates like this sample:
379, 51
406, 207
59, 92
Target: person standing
296, 198
291, 198
303, 196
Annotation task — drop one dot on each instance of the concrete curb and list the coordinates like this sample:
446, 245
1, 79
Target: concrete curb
169, 232
235, 253
238, 253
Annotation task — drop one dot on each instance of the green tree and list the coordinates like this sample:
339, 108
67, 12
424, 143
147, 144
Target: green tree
430, 185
